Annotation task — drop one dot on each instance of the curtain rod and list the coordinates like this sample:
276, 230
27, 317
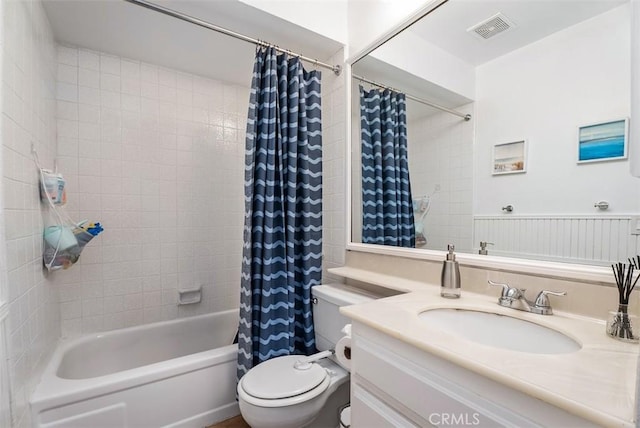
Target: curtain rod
337, 69
466, 117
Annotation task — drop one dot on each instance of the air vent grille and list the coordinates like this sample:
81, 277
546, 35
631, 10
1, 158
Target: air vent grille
491, 27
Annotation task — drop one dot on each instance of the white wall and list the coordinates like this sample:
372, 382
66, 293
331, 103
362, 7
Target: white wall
354, 23
157, 156
634, 125
542, 93
5, 405
415, 55
441, 157
28, 115
325, 17
367, 20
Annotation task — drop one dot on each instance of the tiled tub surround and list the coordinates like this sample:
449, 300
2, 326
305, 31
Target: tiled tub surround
157, 156
596, 383
28, 117
333, 168
446, 177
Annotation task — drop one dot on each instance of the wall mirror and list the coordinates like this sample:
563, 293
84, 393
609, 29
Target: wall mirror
541, 170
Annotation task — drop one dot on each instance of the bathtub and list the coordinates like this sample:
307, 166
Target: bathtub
178, 373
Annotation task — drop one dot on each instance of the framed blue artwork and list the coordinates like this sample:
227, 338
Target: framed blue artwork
604, 141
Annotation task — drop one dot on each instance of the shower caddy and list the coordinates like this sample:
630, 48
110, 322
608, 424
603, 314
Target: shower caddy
63, 239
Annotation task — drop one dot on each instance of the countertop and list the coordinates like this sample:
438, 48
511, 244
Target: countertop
597, 382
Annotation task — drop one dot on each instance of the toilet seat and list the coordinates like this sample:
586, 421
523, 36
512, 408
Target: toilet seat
276, 383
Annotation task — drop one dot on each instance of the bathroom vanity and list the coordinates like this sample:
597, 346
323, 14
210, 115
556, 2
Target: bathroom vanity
408, 371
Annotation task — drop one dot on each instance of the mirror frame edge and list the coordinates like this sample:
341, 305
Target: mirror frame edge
565, 271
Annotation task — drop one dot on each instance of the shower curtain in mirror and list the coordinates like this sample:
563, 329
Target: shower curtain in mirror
387, 207
283, 211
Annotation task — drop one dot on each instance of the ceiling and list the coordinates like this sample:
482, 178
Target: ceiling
131, 31
447, 26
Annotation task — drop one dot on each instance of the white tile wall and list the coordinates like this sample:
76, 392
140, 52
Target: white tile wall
5, 386
441, 157
28, 116
157, 156
334, 168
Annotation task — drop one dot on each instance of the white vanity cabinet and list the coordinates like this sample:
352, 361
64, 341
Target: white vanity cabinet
394, 384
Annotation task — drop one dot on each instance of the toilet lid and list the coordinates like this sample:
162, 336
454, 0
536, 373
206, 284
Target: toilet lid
277, 378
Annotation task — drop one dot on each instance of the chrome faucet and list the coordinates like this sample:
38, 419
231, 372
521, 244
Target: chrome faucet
514, 298
483, 248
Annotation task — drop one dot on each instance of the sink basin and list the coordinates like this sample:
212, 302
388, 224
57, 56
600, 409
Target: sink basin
500, 331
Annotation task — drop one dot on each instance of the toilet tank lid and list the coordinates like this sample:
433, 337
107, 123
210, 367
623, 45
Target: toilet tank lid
340, 294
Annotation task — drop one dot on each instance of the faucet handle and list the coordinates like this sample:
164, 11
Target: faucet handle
542, 301
505, 287
509, 292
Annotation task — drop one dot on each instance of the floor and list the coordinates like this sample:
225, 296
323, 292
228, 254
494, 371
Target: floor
236, 422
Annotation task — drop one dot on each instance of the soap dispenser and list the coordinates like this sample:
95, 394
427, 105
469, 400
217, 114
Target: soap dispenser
450, 279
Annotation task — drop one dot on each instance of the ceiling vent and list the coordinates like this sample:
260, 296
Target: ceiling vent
491, 27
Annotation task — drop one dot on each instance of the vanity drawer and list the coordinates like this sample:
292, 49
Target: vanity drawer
434, 388
421, 391
368, 411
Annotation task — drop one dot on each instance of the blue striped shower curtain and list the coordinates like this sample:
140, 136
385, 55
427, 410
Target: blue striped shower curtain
283, 211
387, 207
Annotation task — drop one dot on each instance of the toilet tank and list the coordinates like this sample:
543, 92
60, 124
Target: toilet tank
327, 319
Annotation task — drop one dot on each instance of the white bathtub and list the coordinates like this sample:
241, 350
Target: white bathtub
178, 373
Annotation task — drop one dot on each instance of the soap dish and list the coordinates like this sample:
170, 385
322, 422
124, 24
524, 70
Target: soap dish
190, 296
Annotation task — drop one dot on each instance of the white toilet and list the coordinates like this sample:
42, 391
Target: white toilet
282, 394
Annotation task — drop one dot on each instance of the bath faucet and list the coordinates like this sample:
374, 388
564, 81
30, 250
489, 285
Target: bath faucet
515, 298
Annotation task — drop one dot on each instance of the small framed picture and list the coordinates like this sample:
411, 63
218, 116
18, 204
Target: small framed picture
510, 158
604, 141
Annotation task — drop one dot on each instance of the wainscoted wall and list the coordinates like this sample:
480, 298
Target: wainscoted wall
157, 156
28, 117
596, 240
